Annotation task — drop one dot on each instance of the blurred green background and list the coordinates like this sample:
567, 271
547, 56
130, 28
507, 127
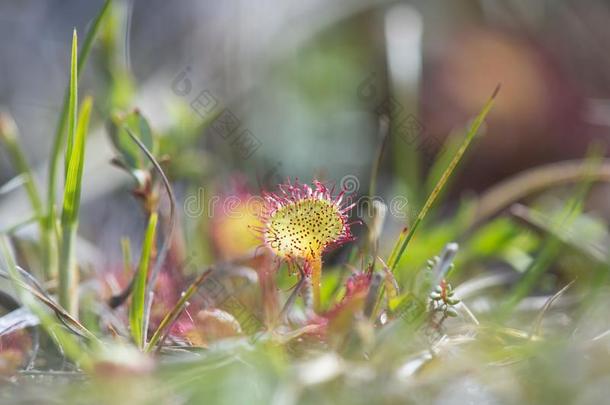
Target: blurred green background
308, 80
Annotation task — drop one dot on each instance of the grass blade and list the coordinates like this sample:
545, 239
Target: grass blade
31, 285
27, 295
12, 185
405, 238
15, 227
49, 246
384, 132
533, 181
536, 331
138, 298
83, 55
172, 315
72, 101
68, 274
9, 134
553, 244
169, 232
76, 162
542, 223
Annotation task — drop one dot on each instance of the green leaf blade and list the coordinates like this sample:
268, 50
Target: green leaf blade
72, 100
118, 127
405, 237
75, 164
138, 298
50, 239
68, 270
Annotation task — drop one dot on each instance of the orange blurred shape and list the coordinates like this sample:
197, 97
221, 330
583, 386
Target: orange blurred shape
233, 224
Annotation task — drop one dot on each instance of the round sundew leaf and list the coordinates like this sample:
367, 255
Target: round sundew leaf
301, 222
304, 228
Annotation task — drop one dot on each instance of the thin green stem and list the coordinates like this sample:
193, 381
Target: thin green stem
138, 298
171, 316
406, 237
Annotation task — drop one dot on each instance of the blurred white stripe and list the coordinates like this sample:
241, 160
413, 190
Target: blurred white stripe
403, 31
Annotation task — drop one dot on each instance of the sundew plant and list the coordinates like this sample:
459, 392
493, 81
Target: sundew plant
209, 282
